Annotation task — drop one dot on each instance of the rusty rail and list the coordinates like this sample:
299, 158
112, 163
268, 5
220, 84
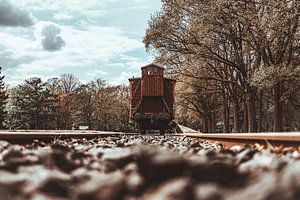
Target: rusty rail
230, 139
21, 136
227, 139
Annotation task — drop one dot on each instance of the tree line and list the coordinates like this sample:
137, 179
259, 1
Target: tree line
236, 62
65, 103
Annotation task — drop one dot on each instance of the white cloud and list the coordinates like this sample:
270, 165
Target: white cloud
134, 63
62, 16
11, 15
86, 50
133, 66
123, 77
96, 73
94, 46
17, 78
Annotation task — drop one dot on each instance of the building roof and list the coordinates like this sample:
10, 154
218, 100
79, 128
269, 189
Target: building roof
153, 64
170, 79
134, 78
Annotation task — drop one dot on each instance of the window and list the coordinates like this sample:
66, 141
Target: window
153, 71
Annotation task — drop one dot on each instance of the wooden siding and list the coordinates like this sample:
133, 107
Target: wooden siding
152, 81
152, 94
152, 105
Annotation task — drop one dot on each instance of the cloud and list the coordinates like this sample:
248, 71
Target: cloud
123, 78
13, 16
96, 73
94, 39
51, 39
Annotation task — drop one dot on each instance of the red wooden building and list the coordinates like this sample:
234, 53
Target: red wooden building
152, 99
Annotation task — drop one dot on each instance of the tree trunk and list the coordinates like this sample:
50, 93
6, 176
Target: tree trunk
225, 116
245, 122
278, 108
251, 111
236, 121
36, 121
213, 122
268, 128
205, 124
260, 114
57, 123
209, 123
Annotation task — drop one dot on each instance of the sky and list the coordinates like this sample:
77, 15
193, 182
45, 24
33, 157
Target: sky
90, 39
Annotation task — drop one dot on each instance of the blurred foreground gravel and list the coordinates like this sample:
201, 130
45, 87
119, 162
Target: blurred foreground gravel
146, 167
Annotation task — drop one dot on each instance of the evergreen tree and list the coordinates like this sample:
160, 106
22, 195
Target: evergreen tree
3, 100
29, 105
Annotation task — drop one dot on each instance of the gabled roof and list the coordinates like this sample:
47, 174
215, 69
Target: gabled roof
134, 78
153, 64
171, 79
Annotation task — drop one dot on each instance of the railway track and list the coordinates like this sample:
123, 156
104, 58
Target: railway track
146, 167
228, 139
24, 136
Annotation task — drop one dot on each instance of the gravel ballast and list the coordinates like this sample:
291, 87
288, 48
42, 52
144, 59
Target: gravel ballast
146, 167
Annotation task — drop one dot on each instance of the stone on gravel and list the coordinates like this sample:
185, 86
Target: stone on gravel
13, 157
147, 167
59, 158
159, 166
173, 189
3, 145
289, 184
55, 186
134, 183
41, 196
218, 172
208, 191
244, 155
261, 161
11, 185
110, 186
260, 187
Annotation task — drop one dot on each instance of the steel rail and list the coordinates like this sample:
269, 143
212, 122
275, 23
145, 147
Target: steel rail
231, 139
285, 136
227, 139
24, 136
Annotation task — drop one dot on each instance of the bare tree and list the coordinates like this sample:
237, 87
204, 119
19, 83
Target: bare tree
236, 43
